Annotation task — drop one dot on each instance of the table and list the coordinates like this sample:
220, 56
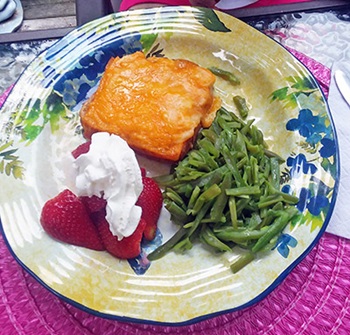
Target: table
317, 300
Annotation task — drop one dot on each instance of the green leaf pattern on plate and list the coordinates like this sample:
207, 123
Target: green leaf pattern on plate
210, 20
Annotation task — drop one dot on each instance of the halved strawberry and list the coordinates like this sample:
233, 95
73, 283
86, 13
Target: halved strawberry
143, 172
81, 149
93, 204
150, 200
66, 219
128, 247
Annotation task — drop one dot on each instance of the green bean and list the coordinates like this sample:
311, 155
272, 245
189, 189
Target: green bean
257, 136
265, 167
194, 196
205, 179
167, 246
209, 147
232, 165
241, 105
229, 76
270, 200
268, 218
218, 208
233, 211
242, 261
244, 190
243, 163
208, 237
241, 204
226, 192
209, 159
198, 164
246, 129
225, 125
195, 224
254, 221
288, 198
191, 175
275, 228
175, 210
210, 135
256, 149
165, 180
183, 245
211, 193
270, 154
231, 234
255, 170
186, 190
172, 195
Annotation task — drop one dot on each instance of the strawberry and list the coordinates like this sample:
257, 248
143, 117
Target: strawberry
81, 149
128, 247
93, 204
150, 200
143, 172
66, 219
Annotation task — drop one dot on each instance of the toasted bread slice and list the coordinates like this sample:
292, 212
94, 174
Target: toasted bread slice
156, 104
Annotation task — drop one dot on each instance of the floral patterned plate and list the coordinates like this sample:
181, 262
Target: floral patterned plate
39, 126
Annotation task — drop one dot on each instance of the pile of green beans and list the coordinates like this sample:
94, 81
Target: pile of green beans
226, 192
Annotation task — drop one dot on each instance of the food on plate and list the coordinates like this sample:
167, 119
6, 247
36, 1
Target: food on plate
82, 219
66, 218
110, 169
226, 192
151, 201
156, 104
241, 105
128, 247
226, 75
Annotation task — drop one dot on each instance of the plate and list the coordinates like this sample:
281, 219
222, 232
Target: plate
40, 126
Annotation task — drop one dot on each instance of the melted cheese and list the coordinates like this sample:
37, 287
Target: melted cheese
155, 104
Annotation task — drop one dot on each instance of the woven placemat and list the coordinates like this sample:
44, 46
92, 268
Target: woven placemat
313, 299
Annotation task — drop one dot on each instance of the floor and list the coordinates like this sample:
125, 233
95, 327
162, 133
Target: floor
48, 14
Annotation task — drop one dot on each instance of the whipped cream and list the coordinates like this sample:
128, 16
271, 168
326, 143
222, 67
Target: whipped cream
110, 169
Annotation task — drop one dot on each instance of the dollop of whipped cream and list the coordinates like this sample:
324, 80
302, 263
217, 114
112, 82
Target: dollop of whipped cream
110, 169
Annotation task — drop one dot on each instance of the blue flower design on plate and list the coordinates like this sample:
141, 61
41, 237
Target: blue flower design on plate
74, 85
309, 126
140, 264
328, 148
314, 203
299, 165
284, 242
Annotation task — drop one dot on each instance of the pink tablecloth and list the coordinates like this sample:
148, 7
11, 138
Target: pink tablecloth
314, 299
